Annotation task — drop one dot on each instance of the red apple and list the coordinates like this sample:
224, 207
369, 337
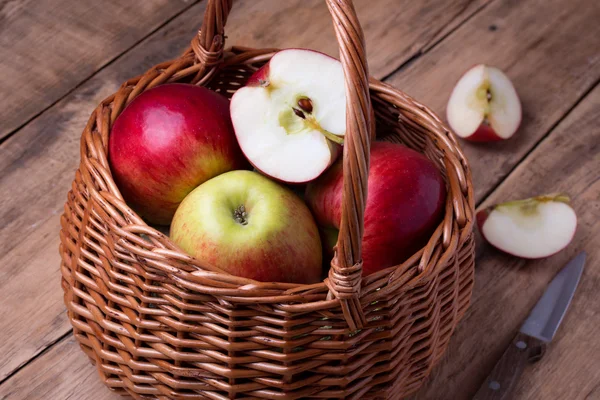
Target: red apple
250, 226
291, 116
484, 106
532, 228
169, 140
405, 202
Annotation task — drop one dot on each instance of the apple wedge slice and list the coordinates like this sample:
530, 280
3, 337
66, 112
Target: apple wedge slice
290, 118
484, 106
532, 228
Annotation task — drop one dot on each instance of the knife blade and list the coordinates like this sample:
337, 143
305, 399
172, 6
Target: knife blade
538, 329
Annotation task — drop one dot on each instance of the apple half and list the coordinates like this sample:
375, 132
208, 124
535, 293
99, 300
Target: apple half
532, 228
290, 118
484, 106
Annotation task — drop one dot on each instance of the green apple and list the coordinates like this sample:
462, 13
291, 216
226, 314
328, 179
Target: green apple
250, 226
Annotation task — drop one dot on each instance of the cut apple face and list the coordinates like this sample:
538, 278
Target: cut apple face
291, 117
532, 228
484, 105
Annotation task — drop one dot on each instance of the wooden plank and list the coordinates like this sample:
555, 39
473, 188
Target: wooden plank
37, 164
64, 372
49, 46
549, 48
506, 288
395, 30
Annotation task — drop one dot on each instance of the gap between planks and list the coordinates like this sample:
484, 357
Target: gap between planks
45, 350
441, 34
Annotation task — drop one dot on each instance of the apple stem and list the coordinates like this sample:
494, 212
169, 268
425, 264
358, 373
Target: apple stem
240, 215
287, 122
332, 137
562, 197
328, 135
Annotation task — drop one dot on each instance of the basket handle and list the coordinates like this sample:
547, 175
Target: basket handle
345, 275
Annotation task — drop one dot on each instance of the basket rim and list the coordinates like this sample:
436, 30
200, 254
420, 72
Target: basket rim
213, 280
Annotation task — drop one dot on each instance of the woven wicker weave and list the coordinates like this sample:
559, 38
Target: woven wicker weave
158, 324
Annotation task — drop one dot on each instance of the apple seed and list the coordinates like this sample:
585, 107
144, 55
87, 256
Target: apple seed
299, 113
305, 104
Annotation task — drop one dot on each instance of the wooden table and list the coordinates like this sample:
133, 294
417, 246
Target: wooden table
59, 58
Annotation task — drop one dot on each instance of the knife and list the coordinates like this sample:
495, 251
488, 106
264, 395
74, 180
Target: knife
537, 330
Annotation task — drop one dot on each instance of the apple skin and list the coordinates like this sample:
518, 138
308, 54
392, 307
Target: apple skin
481, 217
405, 203
279, 243
260, 77
484, 134
167, 141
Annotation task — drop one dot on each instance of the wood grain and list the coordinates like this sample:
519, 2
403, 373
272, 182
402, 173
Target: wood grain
63, 373
47, 47
506, 288
37, 164
394, 30
549, 48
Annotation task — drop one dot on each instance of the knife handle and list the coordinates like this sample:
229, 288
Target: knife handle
507, 371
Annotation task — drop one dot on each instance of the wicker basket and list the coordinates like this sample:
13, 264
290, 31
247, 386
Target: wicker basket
158, 324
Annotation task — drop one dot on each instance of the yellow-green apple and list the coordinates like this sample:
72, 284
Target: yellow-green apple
250, 226
169, 140
532, 228
484, 105
291, 115
404, 205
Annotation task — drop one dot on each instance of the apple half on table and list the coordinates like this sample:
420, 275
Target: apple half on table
532, 228
290, 118
484, 106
